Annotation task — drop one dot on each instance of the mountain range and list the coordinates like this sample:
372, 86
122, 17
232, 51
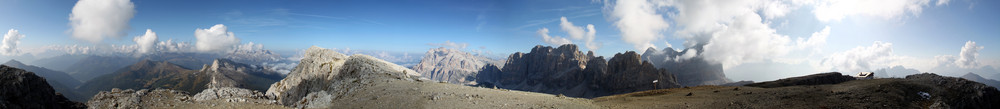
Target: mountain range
147, 74
567, 71
980, 79
327, 79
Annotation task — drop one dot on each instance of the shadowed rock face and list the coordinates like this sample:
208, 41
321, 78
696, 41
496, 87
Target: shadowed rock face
21, 89
565, 70
452, 66
815, 79
690, 71
628, 73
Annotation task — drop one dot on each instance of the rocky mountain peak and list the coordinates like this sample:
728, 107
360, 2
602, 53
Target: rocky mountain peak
324, 70
14, 63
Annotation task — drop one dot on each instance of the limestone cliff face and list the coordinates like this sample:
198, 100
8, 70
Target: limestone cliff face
451, 65
226, 73
21, 89
323, 70
690, 69
565, 70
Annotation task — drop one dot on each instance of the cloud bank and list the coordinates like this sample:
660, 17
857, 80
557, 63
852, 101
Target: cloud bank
639, 21
860, 59
965, 59
94, 20
737, 32
215, 39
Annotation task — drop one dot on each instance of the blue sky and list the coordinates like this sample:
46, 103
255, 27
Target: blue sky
919, 37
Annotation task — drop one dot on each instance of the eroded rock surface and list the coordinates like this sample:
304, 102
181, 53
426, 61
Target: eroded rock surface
132, 99
232, 94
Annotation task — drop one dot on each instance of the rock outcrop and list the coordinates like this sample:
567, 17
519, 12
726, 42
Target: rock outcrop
232, 94
226, 73
335, 73
565, 70
133, 99
689, 67
814, 79
452, 66
959, 93
20, 89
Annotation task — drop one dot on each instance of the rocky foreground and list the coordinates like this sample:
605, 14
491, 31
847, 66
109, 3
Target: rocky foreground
327, 79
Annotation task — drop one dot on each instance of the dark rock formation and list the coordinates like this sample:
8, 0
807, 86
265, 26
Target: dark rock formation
687, 65
453, 66
959, 93
21, 89
628, 73
814, 79
565, 70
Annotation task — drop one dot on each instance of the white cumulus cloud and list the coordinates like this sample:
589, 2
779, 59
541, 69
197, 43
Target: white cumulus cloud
146, 42
639, 21
215, 39
94, 20
554, 40
965, 59
578, 33
10, 42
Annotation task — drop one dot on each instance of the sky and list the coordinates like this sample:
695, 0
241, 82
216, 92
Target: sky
777, 38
